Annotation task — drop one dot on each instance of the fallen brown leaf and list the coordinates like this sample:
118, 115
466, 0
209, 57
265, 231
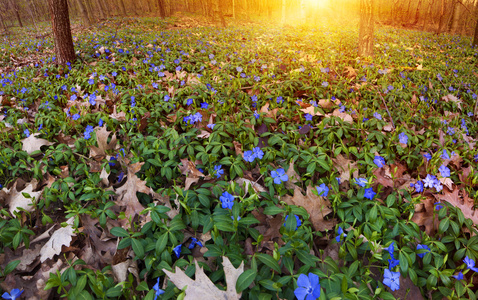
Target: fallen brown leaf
318, 207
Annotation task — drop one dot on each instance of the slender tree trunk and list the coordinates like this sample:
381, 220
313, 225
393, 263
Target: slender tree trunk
365, 42
283, 12
417, 13
393, 12
17, 13
162, 13
456, 18
84, 12
442, 17
33, 18
35, 10
122, 7
3, 23
408, 13
475, 37
60, 23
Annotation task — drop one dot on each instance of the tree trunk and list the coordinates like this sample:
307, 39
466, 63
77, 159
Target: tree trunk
365, 42
83, 12
60, 23
475, 38
408, 13
101, 14
122, 7
417, 13
162, 13
35, 10
456, 18
393, 11
302, 12
283, 12
3, 23
17, 13
442, 17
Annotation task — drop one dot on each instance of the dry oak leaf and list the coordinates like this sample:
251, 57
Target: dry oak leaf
452, 98
464, 203
344, 166
269, 113
424, 215
61, 237
121, 116
326, 103
102, 139
317, 207
257, 187
127, 193
310, 110
293, 177
188, 168
16, 199
344, 116
202, 287
350, 72
32, 143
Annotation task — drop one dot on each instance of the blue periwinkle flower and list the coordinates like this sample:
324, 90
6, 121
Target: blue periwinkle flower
279, 176
425, 247
14, 294
369, 193
379, 161
391, 279
322, 190
177, 250
470, 264
227, 200
444, 171
157, 290
297, 219
218, 171
308, 287
340, 233
361, 182
403, 138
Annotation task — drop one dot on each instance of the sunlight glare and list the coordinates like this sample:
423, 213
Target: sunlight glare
317, 4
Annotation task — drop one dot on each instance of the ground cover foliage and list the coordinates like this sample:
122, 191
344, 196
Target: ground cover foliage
253, 161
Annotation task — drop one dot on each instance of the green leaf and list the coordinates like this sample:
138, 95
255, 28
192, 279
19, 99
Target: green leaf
137, 248
269, 261
273, 210
245, 280
84, 295
114, 292
119, 232
10, 267
306, 258
161, 243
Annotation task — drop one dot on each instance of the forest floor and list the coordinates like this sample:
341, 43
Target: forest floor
272, 157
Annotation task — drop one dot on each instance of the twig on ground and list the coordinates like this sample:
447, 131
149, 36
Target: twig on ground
383, 100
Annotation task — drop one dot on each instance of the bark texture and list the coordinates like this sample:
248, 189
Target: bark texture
83, 12
475, 38
60, 23
162, 12
365, 43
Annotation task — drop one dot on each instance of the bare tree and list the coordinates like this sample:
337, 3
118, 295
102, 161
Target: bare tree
83, 12
17, 12
60, 23
475, 37
365, 42
162, 12
417, 13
